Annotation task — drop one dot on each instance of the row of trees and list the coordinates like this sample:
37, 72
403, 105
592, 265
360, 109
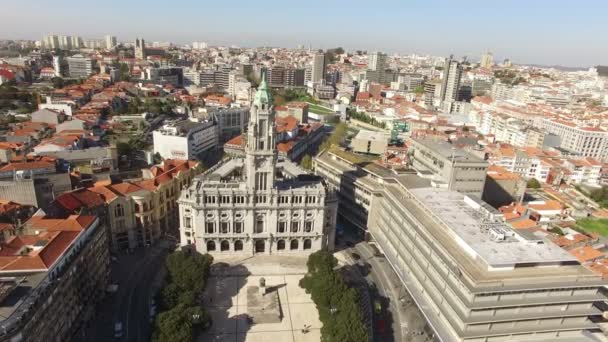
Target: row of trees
600, 196
338, 305
366, 118
181, 316
156, 106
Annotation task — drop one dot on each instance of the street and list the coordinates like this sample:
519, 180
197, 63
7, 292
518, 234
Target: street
138, 276
402, 320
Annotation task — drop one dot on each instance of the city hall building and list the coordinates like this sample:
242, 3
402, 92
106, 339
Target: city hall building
258, 204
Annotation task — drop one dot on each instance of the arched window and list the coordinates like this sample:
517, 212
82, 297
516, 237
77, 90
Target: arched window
281, 245
293, 245
238, 245
224, 246
210, 246
307, 244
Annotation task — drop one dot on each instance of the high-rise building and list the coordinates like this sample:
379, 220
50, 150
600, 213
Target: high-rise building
65, 42
376, 68
51, 41
76, 42
57, 65
255, 204
377, 61
487, 60
318, 67
140, 48
110, 41
452, 75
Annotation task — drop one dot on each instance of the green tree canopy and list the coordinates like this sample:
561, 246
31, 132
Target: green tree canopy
533, 183
306, 162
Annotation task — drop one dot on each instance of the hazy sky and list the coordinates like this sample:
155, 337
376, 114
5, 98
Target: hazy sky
570, 33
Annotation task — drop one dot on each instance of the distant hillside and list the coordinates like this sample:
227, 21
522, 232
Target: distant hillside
602, 70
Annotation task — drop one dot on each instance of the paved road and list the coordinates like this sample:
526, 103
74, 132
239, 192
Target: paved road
408, 323
138, 276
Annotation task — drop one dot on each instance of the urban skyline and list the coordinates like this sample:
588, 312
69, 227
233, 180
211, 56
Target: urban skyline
512, 30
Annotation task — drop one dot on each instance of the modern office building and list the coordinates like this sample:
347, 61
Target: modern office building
231, 122
257, 204
376, 68
318, 67
353, 183
185, 139
476, 279
448, 166
164, 75
52, 277
80, 66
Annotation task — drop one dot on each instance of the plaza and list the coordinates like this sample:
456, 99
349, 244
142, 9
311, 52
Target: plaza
226, 301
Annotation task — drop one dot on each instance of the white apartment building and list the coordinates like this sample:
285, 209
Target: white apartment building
185, 139
583, 171
258, 204
584, 141
526, 165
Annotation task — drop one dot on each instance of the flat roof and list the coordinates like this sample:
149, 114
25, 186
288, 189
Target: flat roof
448, 151
371, 135
473, 232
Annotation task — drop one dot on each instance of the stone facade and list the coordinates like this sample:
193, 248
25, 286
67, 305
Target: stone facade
258, 204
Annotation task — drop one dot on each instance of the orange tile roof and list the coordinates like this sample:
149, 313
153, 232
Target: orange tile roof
548, 205
586, 253
523, 224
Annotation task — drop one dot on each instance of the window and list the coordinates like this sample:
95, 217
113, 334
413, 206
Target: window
224, 227
224, 246
210, 227
238, 227
188, 222
295, 226
238, 245
119, 211
281, 245
293, 245
259, 226
210, 246
308, 226
307, 244
282, 227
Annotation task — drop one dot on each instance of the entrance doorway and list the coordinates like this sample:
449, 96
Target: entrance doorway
260, 246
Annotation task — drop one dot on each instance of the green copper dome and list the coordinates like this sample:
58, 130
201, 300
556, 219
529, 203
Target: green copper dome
263, 95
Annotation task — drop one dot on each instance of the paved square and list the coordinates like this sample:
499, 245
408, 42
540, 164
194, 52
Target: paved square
226, 301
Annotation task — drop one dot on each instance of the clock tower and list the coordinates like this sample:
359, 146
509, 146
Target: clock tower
261, 154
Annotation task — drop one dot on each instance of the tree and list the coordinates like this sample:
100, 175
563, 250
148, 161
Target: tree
419, 90
58, 82
306, 162
338, 305
533, 183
